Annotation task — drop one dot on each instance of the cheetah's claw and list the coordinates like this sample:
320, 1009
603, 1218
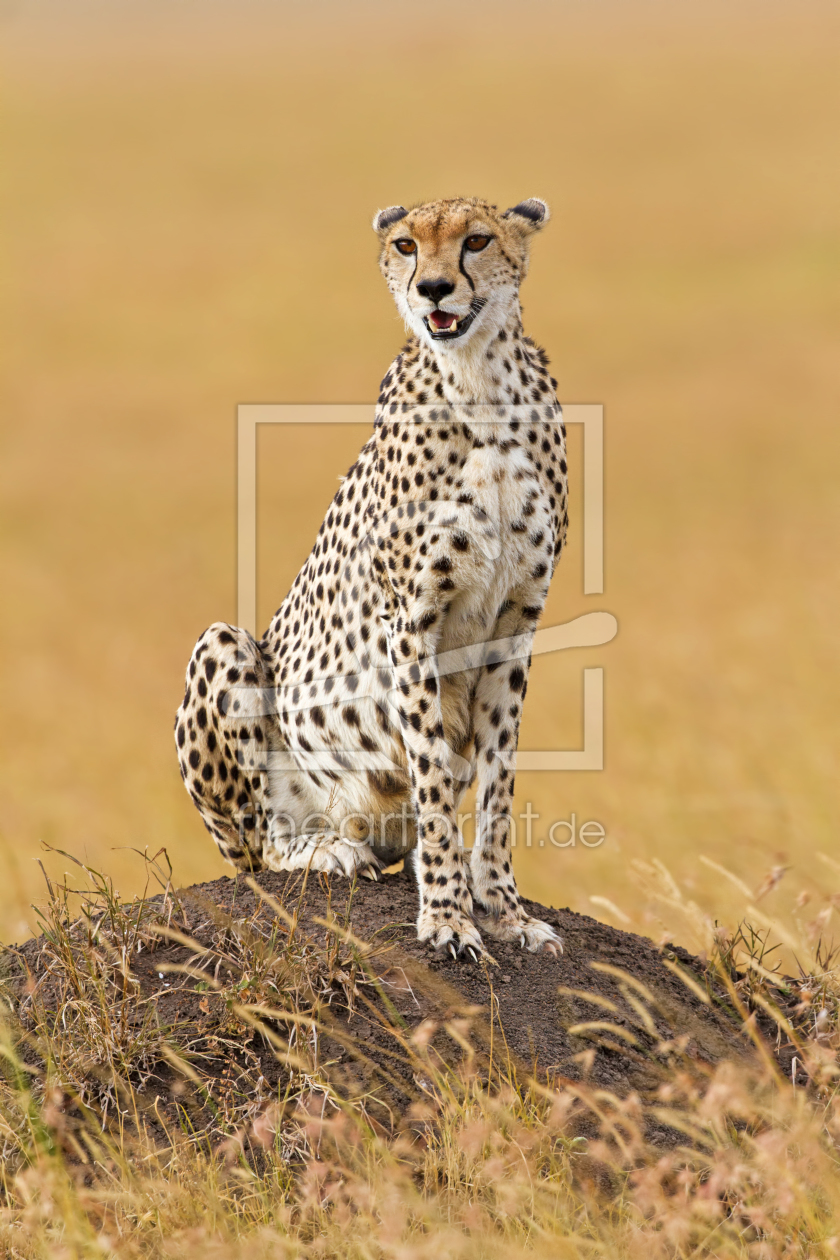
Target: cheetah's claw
462, 951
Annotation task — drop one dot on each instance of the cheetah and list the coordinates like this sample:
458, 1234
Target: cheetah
393, 675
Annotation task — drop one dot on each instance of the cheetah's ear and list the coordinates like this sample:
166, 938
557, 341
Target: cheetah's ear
383, 219
529, 215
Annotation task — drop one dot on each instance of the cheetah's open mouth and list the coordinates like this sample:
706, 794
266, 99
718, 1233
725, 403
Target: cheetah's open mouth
444, 326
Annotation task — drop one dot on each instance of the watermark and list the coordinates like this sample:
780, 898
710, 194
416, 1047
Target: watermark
395, 835
486, 534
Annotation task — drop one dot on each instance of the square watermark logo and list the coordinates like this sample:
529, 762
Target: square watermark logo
589, 630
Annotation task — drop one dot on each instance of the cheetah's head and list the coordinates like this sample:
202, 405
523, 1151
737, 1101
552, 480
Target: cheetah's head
454, 267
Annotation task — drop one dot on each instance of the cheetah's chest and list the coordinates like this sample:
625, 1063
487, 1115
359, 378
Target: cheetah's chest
510, 508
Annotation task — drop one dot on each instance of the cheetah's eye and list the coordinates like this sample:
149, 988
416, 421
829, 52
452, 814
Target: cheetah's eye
405, 246
475, 243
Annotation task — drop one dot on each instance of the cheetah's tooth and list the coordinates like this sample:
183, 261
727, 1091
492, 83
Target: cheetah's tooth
453, 326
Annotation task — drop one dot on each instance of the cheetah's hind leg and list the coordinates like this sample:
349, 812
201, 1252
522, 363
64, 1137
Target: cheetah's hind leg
225, 733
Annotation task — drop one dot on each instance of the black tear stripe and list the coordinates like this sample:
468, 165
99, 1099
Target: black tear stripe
413, 273
463, 269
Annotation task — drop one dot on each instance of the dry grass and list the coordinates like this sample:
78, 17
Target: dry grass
731, 1161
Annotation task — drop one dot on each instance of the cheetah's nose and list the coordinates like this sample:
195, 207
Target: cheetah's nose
435, 290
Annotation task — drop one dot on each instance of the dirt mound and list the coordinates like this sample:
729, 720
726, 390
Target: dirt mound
220, 995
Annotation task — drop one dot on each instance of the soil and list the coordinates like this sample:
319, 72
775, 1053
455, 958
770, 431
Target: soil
523, 1014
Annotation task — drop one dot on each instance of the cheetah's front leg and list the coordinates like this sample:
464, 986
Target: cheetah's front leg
445, 915
497, 715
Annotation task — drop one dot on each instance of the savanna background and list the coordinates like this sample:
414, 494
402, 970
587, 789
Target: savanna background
186, 201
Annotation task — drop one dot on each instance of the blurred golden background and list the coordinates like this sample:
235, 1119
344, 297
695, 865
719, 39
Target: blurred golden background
186, 204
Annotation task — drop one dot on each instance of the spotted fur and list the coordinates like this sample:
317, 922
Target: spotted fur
395, 670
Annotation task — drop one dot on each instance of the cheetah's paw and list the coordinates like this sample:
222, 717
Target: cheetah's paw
330, 854
450, 930
531, 934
